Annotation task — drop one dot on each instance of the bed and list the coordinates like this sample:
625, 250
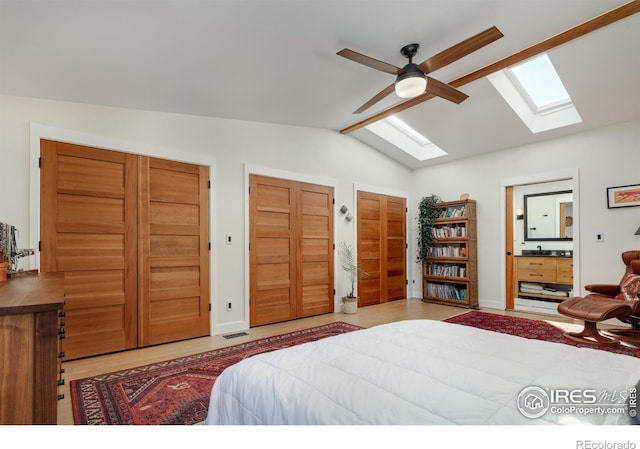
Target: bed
420, 372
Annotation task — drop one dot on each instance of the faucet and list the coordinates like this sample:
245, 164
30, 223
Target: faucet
539, 248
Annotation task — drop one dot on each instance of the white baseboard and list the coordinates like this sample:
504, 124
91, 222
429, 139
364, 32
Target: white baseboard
491, 304
220, 329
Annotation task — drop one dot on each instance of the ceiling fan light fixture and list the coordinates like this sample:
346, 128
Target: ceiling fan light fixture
411, 83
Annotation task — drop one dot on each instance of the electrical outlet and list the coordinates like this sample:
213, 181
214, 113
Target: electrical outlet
229, 306
599, 237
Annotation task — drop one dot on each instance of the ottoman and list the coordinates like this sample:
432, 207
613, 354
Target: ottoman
592, 310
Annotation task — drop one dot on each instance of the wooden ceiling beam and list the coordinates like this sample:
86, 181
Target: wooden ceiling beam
594, 24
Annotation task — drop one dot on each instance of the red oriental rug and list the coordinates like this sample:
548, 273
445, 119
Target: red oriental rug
174, 391
535, 329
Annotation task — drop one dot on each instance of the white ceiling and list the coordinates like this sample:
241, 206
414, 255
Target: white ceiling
276, 62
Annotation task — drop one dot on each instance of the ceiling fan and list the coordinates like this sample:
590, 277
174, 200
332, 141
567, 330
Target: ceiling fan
412, 79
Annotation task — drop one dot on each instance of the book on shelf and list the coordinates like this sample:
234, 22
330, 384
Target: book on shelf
452, 212
446, 270
442, 232
447, 291
451, 250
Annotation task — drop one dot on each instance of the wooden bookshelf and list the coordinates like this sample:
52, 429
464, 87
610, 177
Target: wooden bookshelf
450, 273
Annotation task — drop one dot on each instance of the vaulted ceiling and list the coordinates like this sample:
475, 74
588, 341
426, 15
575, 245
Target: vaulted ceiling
276, 62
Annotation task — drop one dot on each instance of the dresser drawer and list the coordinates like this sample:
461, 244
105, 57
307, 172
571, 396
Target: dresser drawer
537, 274
564, 271
536, 269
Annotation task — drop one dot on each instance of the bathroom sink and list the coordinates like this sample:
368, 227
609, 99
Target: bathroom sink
547, 252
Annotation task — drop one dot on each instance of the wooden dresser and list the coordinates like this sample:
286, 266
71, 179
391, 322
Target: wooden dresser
30, 307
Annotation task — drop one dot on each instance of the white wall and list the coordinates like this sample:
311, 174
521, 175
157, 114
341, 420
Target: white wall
603, 158
230, 145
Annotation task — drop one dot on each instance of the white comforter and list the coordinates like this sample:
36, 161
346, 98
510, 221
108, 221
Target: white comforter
414, 372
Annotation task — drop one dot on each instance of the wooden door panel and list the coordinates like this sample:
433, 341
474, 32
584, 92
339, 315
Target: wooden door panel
92, 330
89, 210
175, 182
272, 256
381, 247
315, 237
88, 232
80, 252
369, 248
173, 251
94, 205
291, 242
396, 245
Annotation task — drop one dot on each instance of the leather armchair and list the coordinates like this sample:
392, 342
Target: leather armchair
608, 301
612, 290
632, 262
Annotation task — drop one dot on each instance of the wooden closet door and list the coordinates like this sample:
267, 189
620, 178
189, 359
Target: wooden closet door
272, 256
173, 252
315, 276
88, 232
370, 228
381, 247
396, 248
291, 250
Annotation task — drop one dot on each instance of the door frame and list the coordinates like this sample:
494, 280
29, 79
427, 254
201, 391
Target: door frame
572, 174
38, 131
381, 191
260, 170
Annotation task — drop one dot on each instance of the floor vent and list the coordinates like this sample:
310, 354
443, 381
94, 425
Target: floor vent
237, 334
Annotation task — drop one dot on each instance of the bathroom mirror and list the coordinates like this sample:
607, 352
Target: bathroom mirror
548, 216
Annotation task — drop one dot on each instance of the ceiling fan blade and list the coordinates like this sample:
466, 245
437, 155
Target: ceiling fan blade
382, 94
369, 62
460, 50
550, 43
445, 91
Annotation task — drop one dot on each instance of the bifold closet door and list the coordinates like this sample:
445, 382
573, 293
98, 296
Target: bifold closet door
173, 251
131, 235
315, 262
395, 248
381, 247
291, 249
88, 230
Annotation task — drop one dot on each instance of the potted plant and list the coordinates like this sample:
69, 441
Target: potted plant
427, 214
349, 264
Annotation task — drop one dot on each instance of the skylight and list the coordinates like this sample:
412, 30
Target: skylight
539, 81
406, 138
536, 93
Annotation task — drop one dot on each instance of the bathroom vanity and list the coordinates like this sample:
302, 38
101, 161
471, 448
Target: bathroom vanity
545, 276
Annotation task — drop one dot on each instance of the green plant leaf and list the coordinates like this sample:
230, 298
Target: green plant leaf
427, 215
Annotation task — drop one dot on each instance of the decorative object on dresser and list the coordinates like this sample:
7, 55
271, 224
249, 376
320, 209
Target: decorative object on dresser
449, 262
9, 249
31, 335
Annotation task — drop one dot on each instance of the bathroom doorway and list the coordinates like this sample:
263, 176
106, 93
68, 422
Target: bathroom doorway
541, 221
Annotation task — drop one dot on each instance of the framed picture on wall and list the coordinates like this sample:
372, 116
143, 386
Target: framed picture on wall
623, 196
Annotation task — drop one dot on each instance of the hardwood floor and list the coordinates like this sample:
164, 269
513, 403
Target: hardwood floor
366, 317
